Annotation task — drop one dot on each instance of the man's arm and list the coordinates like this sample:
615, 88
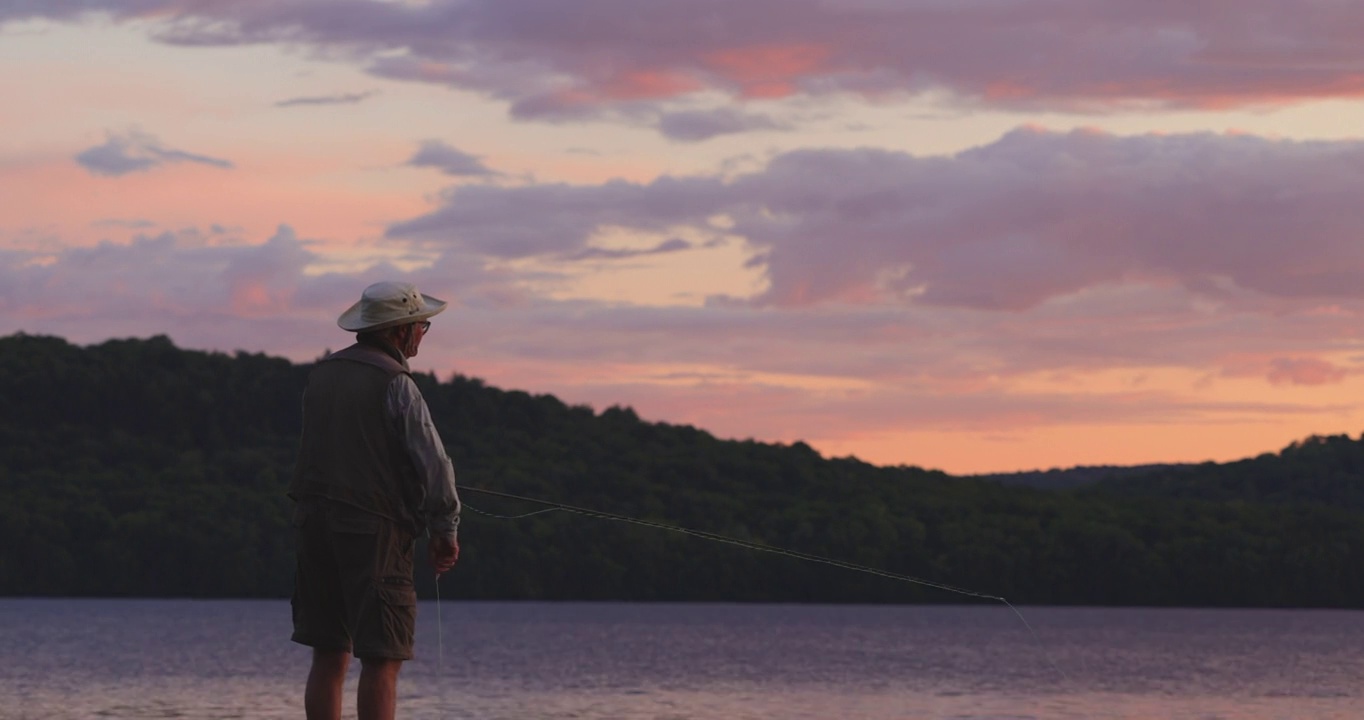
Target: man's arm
441, 507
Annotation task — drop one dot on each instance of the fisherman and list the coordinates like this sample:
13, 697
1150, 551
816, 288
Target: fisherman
372, 476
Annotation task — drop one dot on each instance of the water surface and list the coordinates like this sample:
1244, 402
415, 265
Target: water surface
594, 661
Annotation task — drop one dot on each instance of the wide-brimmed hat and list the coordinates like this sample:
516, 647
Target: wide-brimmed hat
385, 304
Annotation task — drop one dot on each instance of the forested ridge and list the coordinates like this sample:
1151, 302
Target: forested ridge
135, 468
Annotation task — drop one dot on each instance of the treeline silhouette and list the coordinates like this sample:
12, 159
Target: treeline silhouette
135, 468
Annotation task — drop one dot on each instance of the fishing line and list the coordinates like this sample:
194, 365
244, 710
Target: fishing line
440, 633
750, 545
440, 645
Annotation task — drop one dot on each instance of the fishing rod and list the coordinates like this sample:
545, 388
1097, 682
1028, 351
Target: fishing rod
549, 506
552, 506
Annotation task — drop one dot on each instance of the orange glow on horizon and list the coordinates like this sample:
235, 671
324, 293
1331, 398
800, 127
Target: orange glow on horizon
1064, 447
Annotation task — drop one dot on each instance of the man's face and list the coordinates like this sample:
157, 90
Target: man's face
410, 337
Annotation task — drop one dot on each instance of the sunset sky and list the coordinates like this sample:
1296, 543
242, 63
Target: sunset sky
972, 235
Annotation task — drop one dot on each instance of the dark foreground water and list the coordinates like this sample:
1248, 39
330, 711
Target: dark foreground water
523, 661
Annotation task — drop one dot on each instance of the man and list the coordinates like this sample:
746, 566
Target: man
372, 475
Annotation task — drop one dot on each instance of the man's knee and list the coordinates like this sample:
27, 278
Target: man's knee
330, 662
381, 667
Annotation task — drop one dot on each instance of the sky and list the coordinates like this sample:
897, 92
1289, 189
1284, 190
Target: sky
968, 235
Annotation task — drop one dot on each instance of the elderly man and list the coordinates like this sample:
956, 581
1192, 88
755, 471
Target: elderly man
372, 476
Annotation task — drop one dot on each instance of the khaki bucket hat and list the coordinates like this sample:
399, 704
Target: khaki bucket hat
385, 304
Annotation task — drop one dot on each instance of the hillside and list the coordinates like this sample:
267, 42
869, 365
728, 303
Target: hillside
135, 468
1067, 478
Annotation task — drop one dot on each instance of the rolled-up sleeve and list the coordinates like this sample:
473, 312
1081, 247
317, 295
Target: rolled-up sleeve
440, 509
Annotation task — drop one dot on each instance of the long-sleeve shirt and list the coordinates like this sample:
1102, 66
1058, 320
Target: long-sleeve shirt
412, 421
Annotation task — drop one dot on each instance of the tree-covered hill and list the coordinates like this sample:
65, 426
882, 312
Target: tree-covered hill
1068, 478
135, 468
1322, 469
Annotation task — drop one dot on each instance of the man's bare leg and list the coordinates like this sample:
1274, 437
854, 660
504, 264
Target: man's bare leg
377, 697
322, 697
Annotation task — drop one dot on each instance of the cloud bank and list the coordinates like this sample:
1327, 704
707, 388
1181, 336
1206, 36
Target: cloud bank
662, 63
1033, 217
1230, 256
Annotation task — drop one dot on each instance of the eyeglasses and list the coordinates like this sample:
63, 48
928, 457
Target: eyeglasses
424, 325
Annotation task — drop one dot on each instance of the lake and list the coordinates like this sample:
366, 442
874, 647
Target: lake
593, 661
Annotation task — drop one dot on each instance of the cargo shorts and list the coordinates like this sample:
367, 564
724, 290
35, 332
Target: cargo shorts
353, 582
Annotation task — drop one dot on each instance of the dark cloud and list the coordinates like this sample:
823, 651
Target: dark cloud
671, 245
341, 99
136, 152
625, 60
449, 160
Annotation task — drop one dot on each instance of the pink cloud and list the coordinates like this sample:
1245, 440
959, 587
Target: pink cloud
168, 278
624, 59
649, 85
1305, 371
768, 71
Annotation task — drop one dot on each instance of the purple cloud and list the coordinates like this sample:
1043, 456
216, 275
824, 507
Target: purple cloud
137, 152
339, 99
503, 222
1032, 217
694, 126
449, 160
670, 245
623, 60
1038, 215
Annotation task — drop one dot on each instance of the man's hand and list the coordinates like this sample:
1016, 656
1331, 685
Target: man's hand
444, 552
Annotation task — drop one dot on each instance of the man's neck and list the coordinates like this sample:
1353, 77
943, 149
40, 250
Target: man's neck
388, 348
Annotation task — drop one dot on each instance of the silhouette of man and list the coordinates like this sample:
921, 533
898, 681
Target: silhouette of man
372, 476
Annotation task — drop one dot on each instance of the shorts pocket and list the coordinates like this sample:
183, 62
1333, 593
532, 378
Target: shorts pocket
397, 592
398, 613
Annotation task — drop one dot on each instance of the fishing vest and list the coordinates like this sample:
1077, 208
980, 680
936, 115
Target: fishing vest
350, 451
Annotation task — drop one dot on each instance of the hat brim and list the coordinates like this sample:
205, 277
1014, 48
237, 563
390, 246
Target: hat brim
351, 321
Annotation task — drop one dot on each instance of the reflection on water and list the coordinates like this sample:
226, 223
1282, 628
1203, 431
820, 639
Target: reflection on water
231, 659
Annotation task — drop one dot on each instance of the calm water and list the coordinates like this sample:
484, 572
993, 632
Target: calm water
524, 661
